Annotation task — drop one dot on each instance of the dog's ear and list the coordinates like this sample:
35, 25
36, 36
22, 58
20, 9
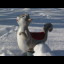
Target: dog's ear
17, 18
29, 20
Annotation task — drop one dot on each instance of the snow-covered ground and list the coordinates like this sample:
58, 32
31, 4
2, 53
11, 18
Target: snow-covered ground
40, 16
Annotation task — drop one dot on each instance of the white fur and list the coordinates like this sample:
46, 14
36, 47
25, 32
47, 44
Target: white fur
22, 23
22, 42
22, 39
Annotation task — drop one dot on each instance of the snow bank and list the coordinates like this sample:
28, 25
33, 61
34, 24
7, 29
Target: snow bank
42, 50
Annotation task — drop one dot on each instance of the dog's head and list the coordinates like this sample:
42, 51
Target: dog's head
24, 20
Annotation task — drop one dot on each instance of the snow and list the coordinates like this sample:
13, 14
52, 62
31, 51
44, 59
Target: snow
8, 28
42, 50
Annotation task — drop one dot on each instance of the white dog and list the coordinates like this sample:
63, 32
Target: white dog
28, 40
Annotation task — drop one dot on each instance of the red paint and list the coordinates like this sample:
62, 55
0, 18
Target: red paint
38, 35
